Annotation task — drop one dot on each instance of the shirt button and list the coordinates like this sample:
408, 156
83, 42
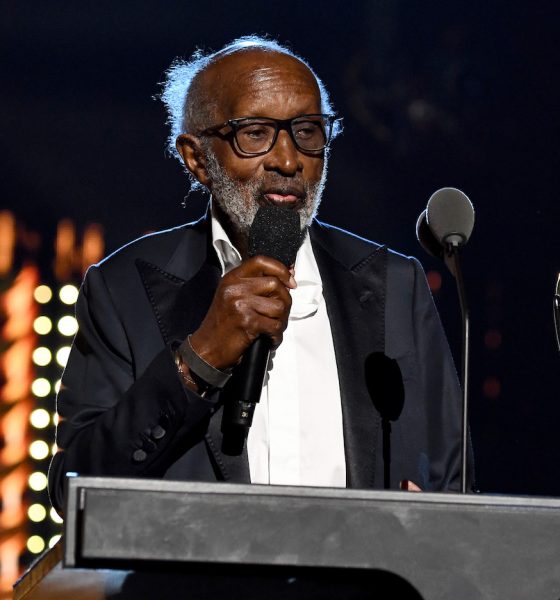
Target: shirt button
139, 455
157, 432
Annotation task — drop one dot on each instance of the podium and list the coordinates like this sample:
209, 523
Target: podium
133, 538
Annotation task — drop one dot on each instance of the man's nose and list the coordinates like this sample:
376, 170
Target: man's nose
284, 157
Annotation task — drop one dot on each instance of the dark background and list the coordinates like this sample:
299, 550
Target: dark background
433, 94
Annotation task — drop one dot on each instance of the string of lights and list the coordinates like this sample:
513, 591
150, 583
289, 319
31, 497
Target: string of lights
37, 329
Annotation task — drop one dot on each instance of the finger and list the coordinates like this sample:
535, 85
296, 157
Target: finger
410, 486
270, 287
262, 266
273, 328
271, 307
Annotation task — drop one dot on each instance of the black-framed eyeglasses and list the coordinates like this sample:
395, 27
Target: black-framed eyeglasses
254, 136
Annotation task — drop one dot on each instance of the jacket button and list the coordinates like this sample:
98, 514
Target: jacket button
139, 455
158, 432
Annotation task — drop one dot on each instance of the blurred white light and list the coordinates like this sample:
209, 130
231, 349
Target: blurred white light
55, 417
40, 418
42, 356
42, 294
37, 481
56, 387
39, 449
54, 449
37, 513
41, 387
67, 325
35, 544
53, 540
62, 356
68, 294
42, 325
54, 516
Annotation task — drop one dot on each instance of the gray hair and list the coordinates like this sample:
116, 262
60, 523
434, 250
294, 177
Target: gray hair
188, 109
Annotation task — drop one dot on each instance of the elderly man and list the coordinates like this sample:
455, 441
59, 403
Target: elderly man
165, 320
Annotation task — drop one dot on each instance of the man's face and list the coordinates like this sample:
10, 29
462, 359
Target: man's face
259, 84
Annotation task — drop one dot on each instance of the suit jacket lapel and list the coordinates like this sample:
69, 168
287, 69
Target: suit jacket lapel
180, 295
354, 286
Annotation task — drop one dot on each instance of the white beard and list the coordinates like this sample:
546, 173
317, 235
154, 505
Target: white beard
240, 200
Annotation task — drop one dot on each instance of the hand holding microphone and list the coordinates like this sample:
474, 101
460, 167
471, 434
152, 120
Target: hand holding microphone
250, 311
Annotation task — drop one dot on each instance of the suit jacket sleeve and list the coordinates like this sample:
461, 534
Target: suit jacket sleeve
428, 431
113, 420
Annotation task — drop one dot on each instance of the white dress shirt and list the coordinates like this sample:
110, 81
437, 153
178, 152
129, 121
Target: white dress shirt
296, 437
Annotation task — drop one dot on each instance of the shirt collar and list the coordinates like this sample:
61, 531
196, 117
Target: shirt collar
228, 255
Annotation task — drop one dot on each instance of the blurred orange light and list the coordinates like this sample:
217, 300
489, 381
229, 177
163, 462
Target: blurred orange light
492, 387
434, 281
12, 488
493, 339
93, 245
13, 427
19, 305
7, 240
17, 368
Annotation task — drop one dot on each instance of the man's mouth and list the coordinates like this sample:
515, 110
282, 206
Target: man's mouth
290, 198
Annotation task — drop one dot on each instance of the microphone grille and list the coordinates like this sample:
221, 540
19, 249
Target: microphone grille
450, 216
276, 232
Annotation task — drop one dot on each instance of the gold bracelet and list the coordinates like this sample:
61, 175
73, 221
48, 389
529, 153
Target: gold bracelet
185, 376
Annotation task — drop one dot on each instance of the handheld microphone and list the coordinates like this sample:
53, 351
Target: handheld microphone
275, 232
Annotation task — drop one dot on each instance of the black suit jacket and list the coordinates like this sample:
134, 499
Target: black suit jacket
125, 412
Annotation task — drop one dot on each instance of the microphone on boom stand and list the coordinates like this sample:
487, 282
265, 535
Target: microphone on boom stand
442, 229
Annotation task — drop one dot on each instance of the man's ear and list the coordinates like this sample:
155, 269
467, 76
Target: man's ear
188, 146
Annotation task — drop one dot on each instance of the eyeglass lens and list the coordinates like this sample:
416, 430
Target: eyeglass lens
254, 136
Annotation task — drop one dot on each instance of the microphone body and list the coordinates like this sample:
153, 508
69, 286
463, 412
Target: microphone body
275, 232
247, 383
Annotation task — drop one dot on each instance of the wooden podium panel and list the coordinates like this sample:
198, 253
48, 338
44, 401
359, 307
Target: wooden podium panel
162, 539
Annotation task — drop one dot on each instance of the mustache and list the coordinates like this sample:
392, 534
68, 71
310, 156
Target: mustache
284, 187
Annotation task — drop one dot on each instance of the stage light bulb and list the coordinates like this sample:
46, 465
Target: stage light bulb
42, 294
53, 540
54, 449
42, 325
40, 418
37, 481
35, 544
41, 387
39, 449
42, 356
37, 513
56, 387
55, 517
62, 355
55, 417
68, 294
67, 325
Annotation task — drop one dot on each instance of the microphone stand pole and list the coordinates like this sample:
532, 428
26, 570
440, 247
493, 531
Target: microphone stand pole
453, 253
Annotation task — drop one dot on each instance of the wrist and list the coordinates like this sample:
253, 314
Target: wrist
200, 370
188, 378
